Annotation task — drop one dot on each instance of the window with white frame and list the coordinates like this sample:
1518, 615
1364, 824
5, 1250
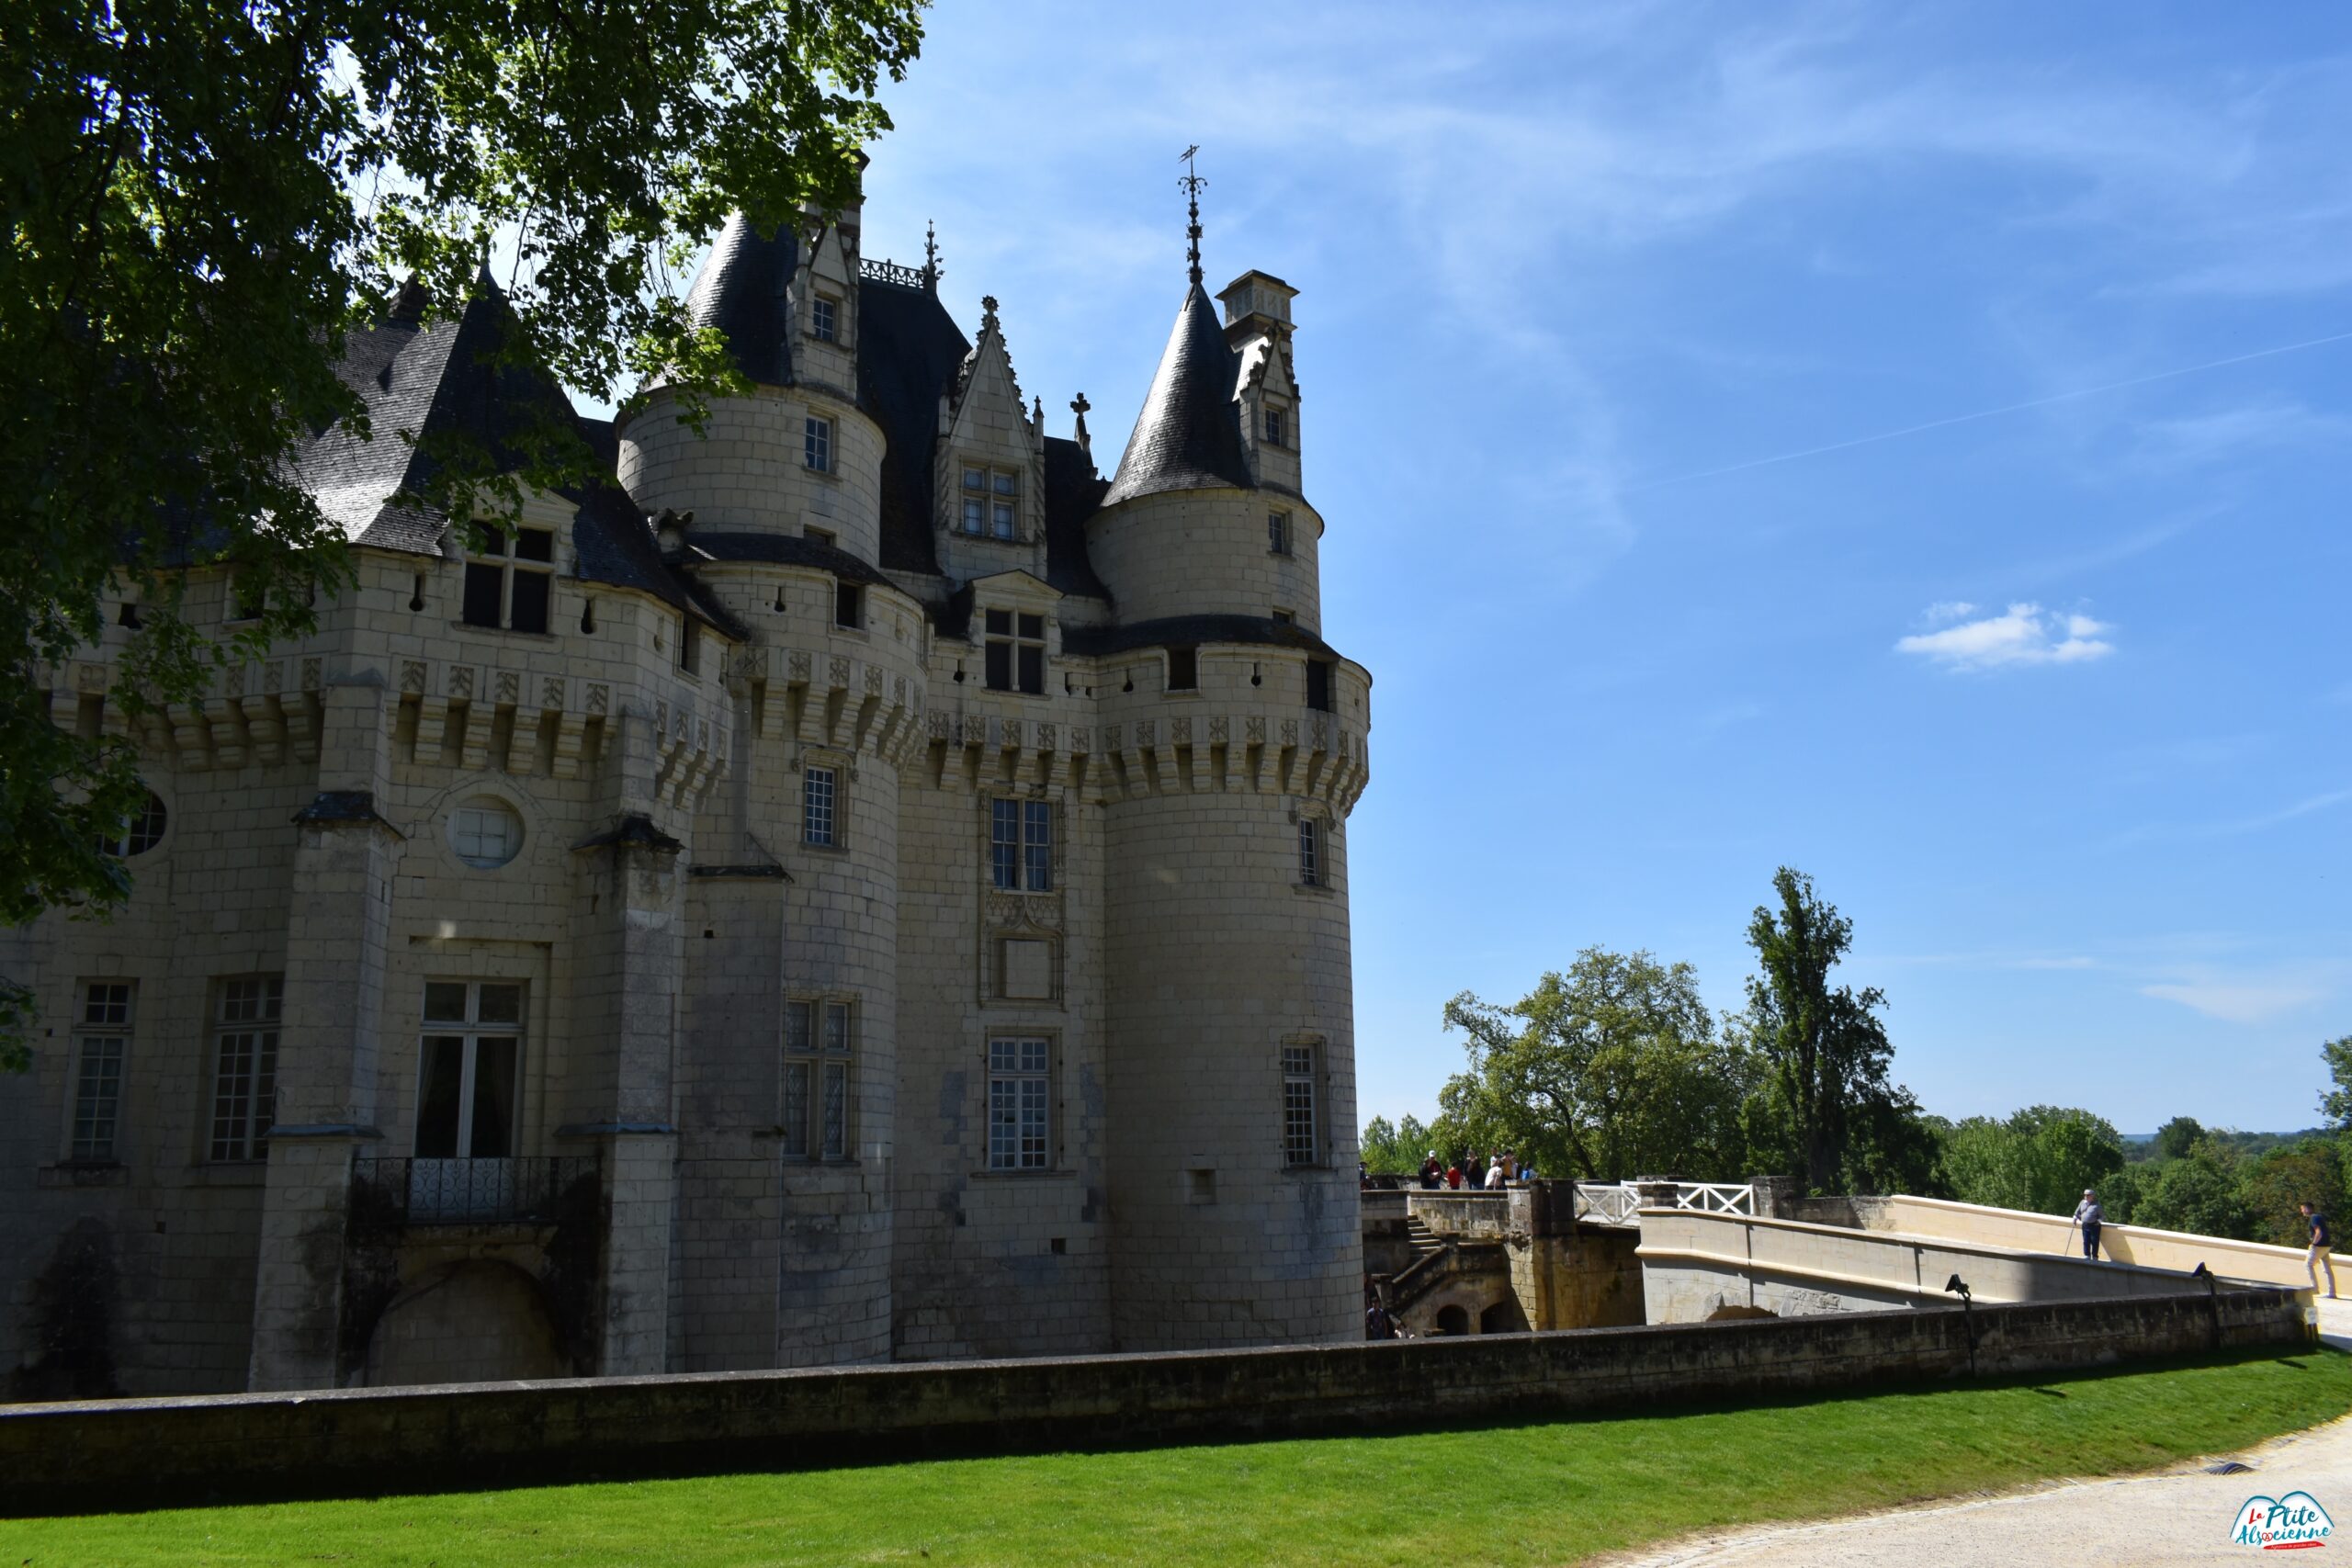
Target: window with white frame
510, 584
143, 832
1278, 533
1020, 845
1310, 852
1302, 1124
244, 1066
1014, 649
820, 1044
824, 319
1019, 1104
819, 819
817, 448
470, 1076
1277, 428
100, 1042
485, 833
991, 502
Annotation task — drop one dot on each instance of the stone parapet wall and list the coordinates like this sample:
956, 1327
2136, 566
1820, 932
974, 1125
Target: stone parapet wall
68, 1457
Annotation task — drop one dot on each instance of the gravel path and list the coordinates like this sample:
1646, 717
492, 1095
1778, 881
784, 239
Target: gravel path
2174, 1516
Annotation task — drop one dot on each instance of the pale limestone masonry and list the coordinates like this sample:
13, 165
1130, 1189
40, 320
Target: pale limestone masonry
891, 901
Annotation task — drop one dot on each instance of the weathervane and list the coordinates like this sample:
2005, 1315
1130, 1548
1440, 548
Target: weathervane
1191, 186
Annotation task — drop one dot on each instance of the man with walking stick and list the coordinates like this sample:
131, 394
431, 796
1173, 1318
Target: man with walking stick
2090, 1217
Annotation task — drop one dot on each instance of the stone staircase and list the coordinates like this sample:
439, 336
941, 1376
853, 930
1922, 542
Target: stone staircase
1425, 1240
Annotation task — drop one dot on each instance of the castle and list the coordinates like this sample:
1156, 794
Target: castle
860, 882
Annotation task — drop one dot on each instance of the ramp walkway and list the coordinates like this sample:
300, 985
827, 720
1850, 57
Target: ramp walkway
1862, 1254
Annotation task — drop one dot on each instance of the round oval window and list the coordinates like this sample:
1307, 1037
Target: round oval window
145, 828
486, 833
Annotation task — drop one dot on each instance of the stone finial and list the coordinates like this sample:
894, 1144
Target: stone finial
1078, 405
931, 267
1191, 185
988, 313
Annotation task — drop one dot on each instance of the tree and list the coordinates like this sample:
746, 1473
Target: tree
2178, 1136
2197, 1193
1825, 1051
1395, 1149
203, 200
2040, 1158
1608, 1069
2336, 1103
2270, 1187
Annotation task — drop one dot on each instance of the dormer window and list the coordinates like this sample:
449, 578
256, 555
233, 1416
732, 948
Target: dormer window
1277, 428
991, 502
511, 582
817, 450
1015, 651
824, 316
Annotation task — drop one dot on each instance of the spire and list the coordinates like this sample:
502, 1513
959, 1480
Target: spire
1191, 186
931, 267
1189, 436
741, 290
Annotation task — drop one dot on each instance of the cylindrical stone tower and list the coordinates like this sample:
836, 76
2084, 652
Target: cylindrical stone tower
1229, 997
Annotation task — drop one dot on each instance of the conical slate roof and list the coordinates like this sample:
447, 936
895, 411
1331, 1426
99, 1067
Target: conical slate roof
1189, 434
741, 290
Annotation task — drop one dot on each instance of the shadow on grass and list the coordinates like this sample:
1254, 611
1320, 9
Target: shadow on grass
736, 1457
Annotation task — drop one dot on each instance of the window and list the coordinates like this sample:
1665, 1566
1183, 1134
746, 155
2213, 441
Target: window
1020, 1124
1278, 533
817, 786
690, 646
467, 1100
817, 447
143, 832
1277, 428
1302, 1132
991, 502
485, 833
1310, 856
1319, 684
244, 1074
512, 583
1184, 670
820, 1041
824, 314
99, 1043
1286, 618
1020, 845
849, 606
1015, 649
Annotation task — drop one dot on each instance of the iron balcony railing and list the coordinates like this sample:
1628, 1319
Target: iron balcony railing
421, 1191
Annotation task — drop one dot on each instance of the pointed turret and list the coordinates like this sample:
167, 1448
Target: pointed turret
743, 290
1189, 436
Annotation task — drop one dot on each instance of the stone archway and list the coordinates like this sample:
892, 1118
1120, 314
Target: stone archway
472, 1322
1453, 1318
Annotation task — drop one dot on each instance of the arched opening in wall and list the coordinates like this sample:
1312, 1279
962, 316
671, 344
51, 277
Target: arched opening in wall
1453, 1320
1503, 1317
474, 1322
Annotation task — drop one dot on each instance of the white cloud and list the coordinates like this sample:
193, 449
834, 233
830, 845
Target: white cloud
2024, 633
1948, 610
2239, 1003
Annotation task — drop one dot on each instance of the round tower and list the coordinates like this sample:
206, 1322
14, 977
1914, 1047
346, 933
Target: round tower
1230, 994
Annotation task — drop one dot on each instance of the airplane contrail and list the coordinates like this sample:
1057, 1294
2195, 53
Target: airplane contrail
1982, 414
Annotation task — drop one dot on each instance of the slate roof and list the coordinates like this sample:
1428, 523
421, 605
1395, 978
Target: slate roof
741, 290
1260, 631
909, 349
1189, 434
441, 382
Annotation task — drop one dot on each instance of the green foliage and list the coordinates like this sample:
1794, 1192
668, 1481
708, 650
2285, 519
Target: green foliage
2336, 1103
1528, 1493
2177, 1137
204, 200
1395, 1149
1825, 1113
2310, 1172
1607, 1070
2040, 1160
2197, 1193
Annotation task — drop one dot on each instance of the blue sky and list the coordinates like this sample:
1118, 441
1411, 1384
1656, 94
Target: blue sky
2053, 703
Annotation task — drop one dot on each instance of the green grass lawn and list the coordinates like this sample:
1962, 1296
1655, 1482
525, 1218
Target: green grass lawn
1539, 1494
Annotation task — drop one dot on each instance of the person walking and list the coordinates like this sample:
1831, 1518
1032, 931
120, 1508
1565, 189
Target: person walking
2090, 1217
2322, 1243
